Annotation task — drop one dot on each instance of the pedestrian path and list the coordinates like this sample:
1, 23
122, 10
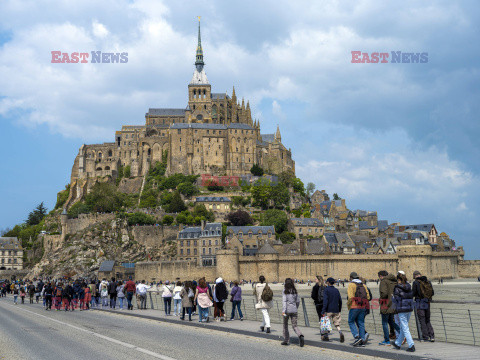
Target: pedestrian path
425, 350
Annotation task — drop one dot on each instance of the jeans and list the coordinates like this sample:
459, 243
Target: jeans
356, 321
113, 300
404, 329
143, 301
424, 319
189, 311
202, 313
294, 318
129, 299
120, 302
266, 318
177, 306
387, 319
104, 301
167, 301
15, 297
236, 304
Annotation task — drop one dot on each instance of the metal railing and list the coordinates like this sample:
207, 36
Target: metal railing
455, 325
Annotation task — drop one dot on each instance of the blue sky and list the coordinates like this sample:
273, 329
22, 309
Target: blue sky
401, 139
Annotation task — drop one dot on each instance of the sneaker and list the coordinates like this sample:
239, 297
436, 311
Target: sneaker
411, 349
268, 330
325, 338
342, 338
357, 342
262, 329
432, 339
302, 340
385, 343
284, 343
395, 345
241, 319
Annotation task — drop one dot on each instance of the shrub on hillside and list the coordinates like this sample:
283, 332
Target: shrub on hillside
139, 218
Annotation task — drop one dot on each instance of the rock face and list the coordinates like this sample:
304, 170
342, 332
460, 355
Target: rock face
82, 252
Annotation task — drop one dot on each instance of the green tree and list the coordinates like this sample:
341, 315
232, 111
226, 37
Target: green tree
127, 171
176, 204
336, 197
256, 170
298, 186
37, 215
167, 220
277, 218
78, 208
307, 214
310, 189
104, 197
280, 195
261, 193
187, 189
149, 198
287, 177
202, 212
62, 197
140, 218
287, 237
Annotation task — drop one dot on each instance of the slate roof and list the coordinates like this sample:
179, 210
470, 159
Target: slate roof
107, 265
262, 143
267, 249
268, 138
306, 222
212, 199
382, 225
219, 96
198, 126
363, 225
325, 205
331, 238
239, 126
210, 229
344, 240
254, 229
315, 246
420, 227
10, 243
166, 112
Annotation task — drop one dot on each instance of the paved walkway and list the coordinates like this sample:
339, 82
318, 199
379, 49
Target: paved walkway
425, 350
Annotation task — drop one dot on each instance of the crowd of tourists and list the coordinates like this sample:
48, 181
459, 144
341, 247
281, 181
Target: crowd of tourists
397, 299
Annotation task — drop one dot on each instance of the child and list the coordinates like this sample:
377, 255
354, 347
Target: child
15, 295
22, 294
291, 301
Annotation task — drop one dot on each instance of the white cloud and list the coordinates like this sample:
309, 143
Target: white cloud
99, 30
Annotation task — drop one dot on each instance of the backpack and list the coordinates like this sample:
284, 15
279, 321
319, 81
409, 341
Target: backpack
190, 293
361, 292
426, 288
267, 294
321, 289
59, 292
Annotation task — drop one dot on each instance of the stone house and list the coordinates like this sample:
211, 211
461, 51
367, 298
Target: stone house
369, 216
428, 228
110, 268
219, 205
200, 243
326, 212
346, 221
249, 239
303, 227
11, 254
319, 197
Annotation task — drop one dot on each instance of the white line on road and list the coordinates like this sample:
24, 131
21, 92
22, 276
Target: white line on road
127, 345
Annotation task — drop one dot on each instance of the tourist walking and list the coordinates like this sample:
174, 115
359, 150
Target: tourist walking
58, 296
48, 293
187, 295
142, 294
357, 293
332, 307
15, 295
236, 300
177, 299
403, 301
88, 296
290, 301
120, 294
81, 295
112, 292
422, 293
31, 291
264, 297
130, 290
220, 294
387, 310
167, 297
104, 294
67, 296
317, 296
203, 300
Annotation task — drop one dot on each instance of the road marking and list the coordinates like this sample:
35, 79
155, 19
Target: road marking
115, 341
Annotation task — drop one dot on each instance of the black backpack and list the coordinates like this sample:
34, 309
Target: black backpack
360, 292
321, 289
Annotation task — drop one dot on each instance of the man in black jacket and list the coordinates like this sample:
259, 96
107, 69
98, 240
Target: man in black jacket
112, 291
317, 296
422, 303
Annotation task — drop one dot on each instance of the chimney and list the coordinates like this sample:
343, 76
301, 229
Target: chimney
202, 224
302, 246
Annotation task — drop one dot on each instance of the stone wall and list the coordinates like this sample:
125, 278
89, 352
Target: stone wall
85, 220
51, 242
276, 267
153, 235
469, 268
130, 186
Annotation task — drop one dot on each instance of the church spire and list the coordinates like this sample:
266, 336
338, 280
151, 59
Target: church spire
199, 58
278, 137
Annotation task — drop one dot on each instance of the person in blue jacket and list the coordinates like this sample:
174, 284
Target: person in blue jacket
332, 307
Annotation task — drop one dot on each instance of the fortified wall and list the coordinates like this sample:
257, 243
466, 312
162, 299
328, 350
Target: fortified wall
469, 268
232, 266
154, 235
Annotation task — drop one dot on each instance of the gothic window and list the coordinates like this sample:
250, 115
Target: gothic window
194, 92
205, 107
180, 148
109, 153
149, 152
107, 167
180, 139
203, 91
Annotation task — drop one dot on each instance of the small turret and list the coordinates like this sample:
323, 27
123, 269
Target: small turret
278, 137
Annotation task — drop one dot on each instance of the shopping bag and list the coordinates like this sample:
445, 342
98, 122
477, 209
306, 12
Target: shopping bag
325, 325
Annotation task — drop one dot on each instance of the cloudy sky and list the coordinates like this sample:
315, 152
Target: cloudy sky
401, 139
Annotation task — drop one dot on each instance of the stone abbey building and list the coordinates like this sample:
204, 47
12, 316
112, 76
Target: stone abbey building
214, 134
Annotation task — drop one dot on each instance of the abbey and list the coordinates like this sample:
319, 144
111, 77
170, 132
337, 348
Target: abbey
214, 134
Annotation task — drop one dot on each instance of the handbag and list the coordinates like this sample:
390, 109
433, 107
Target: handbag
325, 325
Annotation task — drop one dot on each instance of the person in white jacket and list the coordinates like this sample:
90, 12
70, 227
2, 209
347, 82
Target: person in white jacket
264, 306
177, 299
142, 294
